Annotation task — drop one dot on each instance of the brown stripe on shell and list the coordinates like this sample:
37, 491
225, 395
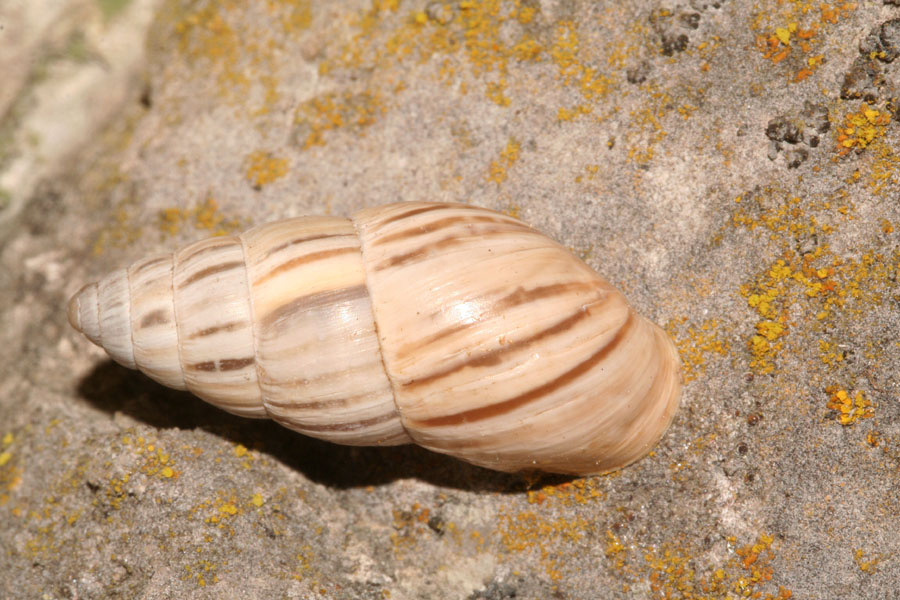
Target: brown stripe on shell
519, 296
505, 406
433, 226
447, 242
522, 296
305, 259
152, 263
160, 316
303, 240
346, 426
312, 301
210, 271
417, 211
217, 328
317, 405
207, 246
225, 364
328, 378
208, 366
496, 356
234, 364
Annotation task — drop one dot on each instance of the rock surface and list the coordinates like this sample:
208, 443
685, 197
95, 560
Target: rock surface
731, 166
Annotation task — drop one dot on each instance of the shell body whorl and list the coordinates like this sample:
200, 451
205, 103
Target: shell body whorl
454, 327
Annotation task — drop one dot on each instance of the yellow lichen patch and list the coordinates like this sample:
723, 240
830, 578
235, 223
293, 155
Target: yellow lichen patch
769, 300
616, 552
672, 572
204, 215
202, 571
861, 128
807, 287
514, 210
531, 531
241, 452
696, 344
263, 168
508, 156
850, 408
487, 40
784, 33
578, 491
306, 560
411, 524
10, 471
865, 564
590, 172
829, 353
240, 54
220, 510
463, 34
883, 172
294, 15
154, 461
793, 30
573, 71
332, 111
645, 125
122, 231
5, 456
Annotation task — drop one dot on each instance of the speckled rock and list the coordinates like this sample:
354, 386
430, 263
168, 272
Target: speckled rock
646, 137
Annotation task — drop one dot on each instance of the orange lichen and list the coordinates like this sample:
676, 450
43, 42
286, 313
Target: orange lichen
616, 552
409, 526
696, 344
10, 470
332, 111
155, 461
767, 297
578, 491
203, 571
572, 70
861, 128
815, 285
121, 231
850, 409
866, 565
240, 54
531, 531
263, 168
794, 31
591, 172
508, 156
646, 125
203, 215
673, 573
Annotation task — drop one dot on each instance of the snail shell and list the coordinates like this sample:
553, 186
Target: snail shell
453, 327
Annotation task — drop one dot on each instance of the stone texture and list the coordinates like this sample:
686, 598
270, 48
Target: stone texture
647, 137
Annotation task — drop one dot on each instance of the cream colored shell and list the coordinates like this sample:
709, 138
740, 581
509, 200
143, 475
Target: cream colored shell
453, 327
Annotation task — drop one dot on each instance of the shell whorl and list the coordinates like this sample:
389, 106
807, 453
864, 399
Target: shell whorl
454, 327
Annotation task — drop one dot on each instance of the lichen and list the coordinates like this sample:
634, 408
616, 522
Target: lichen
204, 215
264, 168
508, 157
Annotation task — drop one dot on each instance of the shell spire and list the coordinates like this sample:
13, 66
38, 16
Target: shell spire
453, 327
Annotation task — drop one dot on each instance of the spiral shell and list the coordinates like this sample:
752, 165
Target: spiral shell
453, 327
